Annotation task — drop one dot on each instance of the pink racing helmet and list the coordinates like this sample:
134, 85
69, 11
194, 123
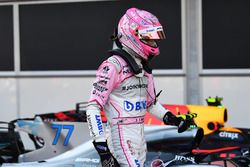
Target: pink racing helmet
140, 30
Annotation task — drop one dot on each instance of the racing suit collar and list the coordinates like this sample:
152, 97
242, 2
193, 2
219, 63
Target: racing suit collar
137, 59
134, 55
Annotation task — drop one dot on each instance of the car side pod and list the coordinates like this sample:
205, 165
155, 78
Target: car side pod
167, 139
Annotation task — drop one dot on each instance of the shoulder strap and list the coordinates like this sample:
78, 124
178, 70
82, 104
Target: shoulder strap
131, 62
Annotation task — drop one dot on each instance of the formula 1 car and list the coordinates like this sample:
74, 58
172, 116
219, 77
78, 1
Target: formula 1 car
59, 140
165, 147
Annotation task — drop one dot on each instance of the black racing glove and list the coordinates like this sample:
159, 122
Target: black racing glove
107, 159
182, 121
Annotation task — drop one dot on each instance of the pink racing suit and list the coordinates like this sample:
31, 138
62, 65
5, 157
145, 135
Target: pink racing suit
125, 98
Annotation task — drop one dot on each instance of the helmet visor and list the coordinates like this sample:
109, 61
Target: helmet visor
155, 33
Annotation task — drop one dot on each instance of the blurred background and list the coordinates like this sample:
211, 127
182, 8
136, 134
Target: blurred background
49, 51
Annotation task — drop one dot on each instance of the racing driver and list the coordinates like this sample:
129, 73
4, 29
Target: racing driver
124, 90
